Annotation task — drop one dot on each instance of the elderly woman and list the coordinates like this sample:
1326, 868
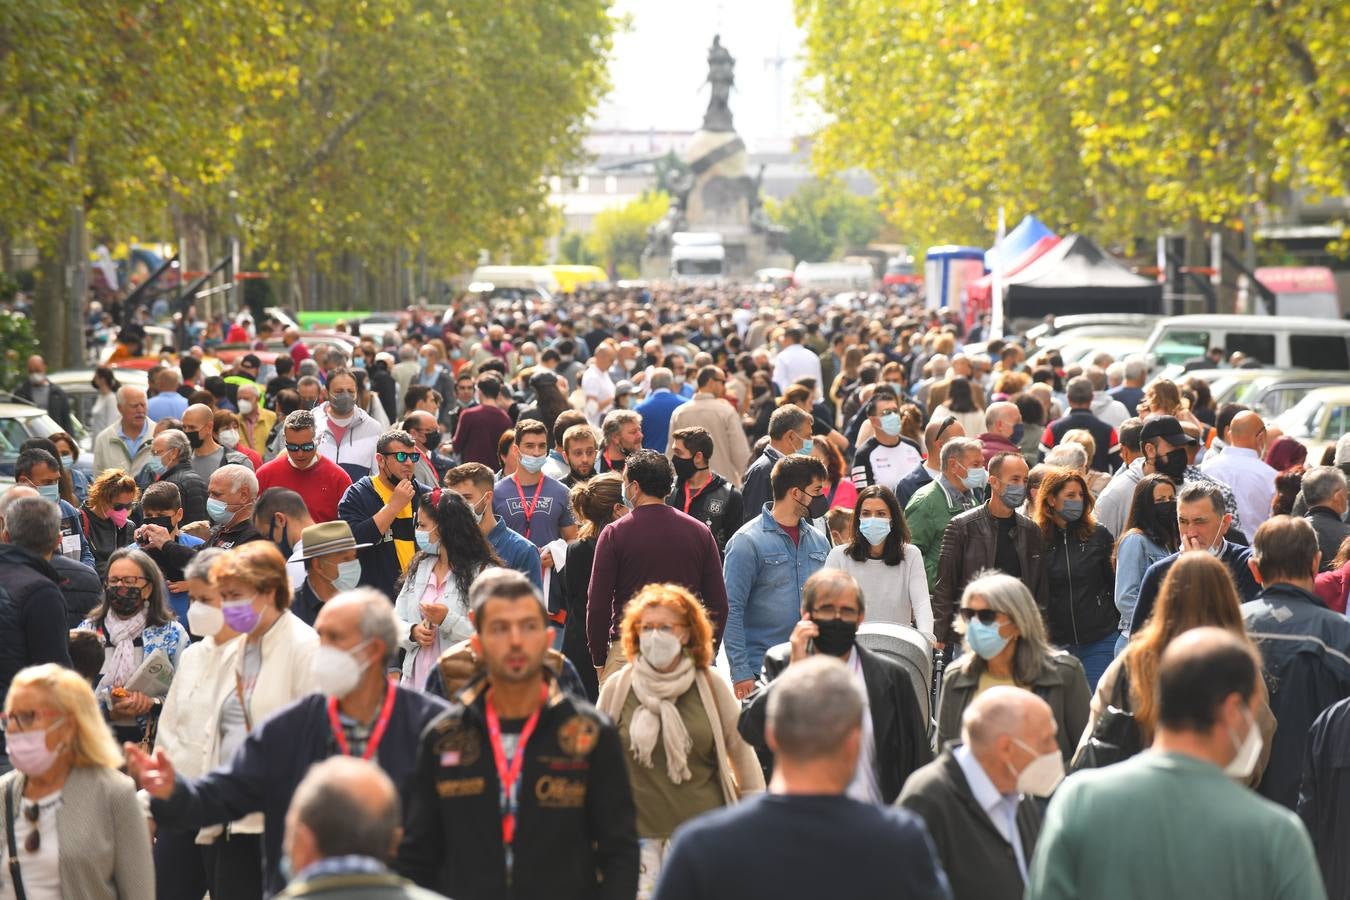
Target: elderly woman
230, 686
433, 604
105, 514
67, 806
677, 716
133, 622
1006, 644
1097, 481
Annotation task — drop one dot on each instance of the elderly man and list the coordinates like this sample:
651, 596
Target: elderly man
256, 420
301, 468
935, 437
658, 408
976, 797
172, 462
622, 434
426, 434
207, 455
1241, 467
167, 402
231, 493
1324, 490
709, 410
342, 829
310, 390
1002, 430
125, 444
806, 837
40, 392
365, 715
1131, 393
935, 504
1104, 406
598, 386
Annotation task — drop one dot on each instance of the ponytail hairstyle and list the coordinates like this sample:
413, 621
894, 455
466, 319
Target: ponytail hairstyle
593, 503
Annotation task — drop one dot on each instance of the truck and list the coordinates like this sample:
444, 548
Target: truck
697, 257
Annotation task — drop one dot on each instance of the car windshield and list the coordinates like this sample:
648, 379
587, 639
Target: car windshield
1302, 419
1179, 346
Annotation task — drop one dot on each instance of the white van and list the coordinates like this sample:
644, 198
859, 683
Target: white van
1285, 342
697, 257
833, 277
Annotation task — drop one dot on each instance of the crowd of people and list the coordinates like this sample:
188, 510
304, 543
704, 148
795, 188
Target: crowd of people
671, 595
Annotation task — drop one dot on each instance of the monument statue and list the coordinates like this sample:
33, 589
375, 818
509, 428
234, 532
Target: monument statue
722, 76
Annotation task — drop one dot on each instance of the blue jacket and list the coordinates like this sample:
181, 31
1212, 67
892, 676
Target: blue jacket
517, 552
71, 525
380, 568
268, 767
764, 574
656, 411
1234, 556
1135, 553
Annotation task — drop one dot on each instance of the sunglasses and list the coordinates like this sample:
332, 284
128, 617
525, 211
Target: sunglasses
33, 842
986, 616
405, 455
947, 423
121, 507
301, 448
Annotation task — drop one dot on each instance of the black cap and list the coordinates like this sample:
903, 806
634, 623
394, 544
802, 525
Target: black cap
1167, 428
251, 360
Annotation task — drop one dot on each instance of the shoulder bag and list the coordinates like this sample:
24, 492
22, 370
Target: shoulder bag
1116, 736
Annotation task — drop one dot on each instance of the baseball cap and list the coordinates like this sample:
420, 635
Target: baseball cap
1167, 428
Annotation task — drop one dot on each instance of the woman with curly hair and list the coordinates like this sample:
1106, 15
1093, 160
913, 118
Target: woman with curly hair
433, 603
105, 514
677, 718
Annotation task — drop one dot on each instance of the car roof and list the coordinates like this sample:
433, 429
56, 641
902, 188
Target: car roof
10, 410
1249, 322
1330, 393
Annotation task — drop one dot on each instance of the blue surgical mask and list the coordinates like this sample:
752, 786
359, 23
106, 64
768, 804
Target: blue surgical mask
984, 639
155, 465
425, 543
532, 464
890, 423
348, 576
875, 530
1013, 495
976, 478
807, 446
623, 495
50, 492
1071, 510
217, 510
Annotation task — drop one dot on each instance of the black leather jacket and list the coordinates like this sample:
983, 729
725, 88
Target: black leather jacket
1082, 586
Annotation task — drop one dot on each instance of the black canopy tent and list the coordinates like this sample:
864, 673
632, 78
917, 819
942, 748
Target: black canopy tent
1077, 276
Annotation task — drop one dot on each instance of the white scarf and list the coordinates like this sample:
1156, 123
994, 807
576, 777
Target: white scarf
123, 633
656, 715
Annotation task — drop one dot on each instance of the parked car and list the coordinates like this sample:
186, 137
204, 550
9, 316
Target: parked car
1319, 419
1279, 342
78, 385
1119, 323
20, 421
1271, 391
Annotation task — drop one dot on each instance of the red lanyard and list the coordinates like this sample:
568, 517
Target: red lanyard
688, 500
529, 507
510, 773
380, 724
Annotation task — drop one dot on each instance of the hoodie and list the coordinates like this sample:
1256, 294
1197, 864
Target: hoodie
1108, 409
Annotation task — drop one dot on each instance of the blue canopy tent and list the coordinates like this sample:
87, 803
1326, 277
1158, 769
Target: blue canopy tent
1016, 242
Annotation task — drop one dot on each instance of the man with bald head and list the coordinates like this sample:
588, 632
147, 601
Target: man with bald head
40, 392
342, 830
975, 797
935, 437
1242, 468
207, 454
1002, 430
125, 444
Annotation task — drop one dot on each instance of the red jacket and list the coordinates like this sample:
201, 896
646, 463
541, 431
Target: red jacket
1331, 587
994, 444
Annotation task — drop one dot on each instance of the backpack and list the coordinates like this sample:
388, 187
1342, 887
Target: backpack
1116, 736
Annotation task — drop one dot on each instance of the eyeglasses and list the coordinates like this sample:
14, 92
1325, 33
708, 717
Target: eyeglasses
946, 423
986, 616
404, 456
829, 612
20, 720
663, 629
135, 581
301, 448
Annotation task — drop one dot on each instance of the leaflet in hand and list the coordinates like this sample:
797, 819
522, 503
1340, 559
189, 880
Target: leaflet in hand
153, 677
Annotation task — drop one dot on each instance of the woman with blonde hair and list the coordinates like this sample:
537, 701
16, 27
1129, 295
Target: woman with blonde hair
1197, 592
105, 513
677, 717
1096, 481
72, 817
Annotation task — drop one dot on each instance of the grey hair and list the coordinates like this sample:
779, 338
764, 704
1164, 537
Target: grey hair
1342, 451
1010, 596
1195, 491
33, 523
813, 707
199, 567
1135, 370
1068, 456
238, 477
995, 413
660, 377
124, 389
958, 447
1115, 373
326, 802
175, 439
308, 368
826, 583
1079, 391
300, 420
1097, 376
616, 419
1320, 484
158, 604
499, 582
378, 621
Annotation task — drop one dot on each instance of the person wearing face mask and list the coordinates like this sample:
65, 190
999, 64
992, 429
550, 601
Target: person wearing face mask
426, 434
40, 392
1081, 614
133, 622
475, 483
1179, 824
978, 798
529, 502
959, 488
40, 470
162, 506
228, 434
677, 718
699, 491
303, 469
171, 463
106, 513
1005, 644
255, 420
768, 561
343, 432
991, 536
72, 818
886, 458
1150, 535
894, 733
1003, 430
789, 434
710, 410
357, 711
329, 567
886, 565
208, 455
432, 605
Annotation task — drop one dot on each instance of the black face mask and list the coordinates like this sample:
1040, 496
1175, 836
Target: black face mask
124, 599
286, 547
194, 438
684, 467
165, 522
817, 506
835, 637
1173, 465
432, 439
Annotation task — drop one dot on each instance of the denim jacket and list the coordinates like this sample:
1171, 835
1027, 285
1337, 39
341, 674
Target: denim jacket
1133, 557
764, 574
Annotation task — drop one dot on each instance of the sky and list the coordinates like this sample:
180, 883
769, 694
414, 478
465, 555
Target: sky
659, 64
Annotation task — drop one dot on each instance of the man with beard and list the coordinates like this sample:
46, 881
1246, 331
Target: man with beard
622, 430
580, 449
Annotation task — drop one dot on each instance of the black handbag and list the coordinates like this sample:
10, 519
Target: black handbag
1116, 736
14, 874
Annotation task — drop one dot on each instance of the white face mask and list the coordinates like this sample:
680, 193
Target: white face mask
1248, 751
245, 407
205, 619
228, 439
338, 671
1042, 775
659, 648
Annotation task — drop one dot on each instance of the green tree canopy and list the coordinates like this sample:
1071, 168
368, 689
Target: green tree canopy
618, 235
825, 220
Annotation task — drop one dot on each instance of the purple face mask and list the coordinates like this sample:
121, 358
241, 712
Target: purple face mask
240, 615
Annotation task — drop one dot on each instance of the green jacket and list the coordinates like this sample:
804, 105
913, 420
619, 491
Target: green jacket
927, 515
358, 886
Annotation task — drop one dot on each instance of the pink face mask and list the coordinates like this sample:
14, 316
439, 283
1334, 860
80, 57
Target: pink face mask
118, 517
